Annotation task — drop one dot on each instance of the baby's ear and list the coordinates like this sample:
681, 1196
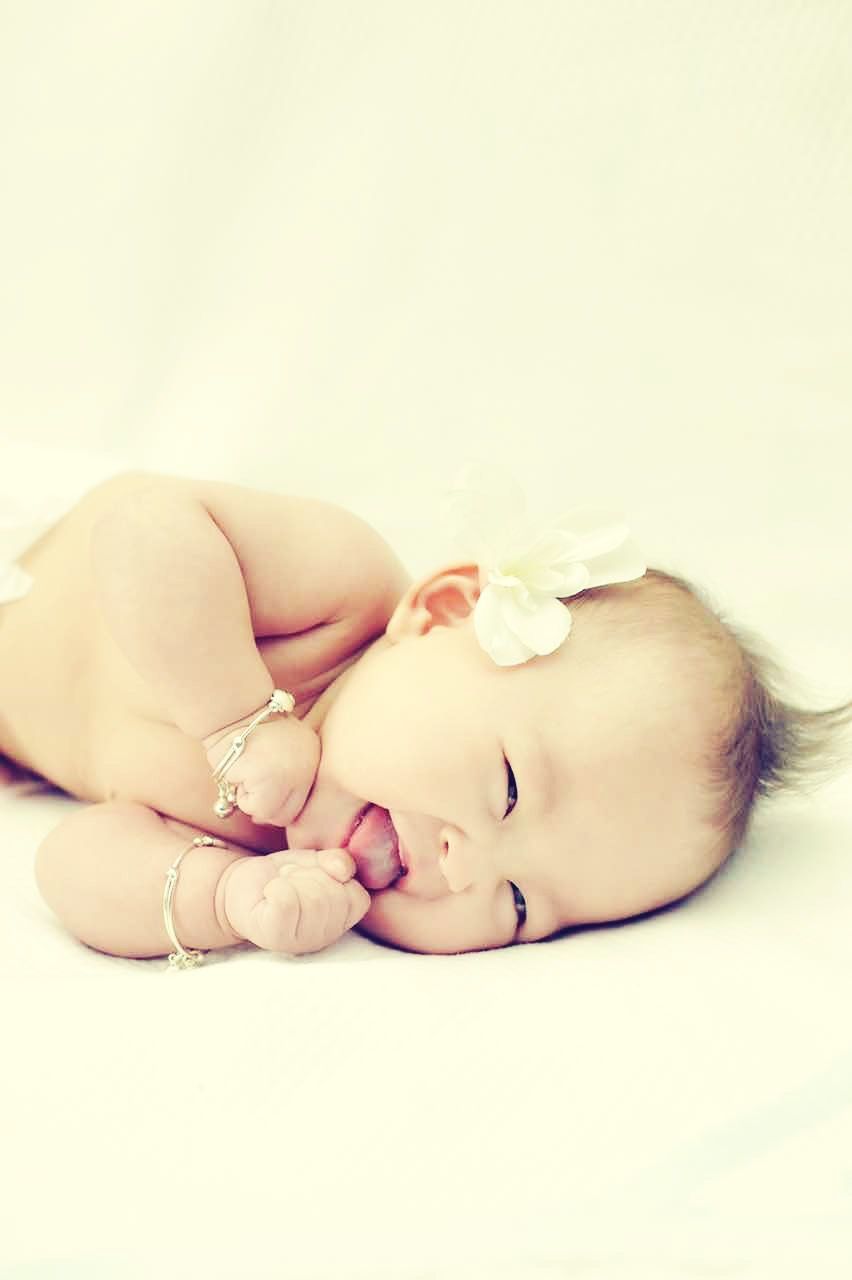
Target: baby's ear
442, 599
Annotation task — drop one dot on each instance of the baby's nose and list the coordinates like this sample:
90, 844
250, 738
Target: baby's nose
456, 862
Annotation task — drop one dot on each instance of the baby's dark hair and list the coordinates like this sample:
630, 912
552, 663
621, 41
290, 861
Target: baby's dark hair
765, 745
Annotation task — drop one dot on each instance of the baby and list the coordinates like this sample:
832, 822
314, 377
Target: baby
446, 778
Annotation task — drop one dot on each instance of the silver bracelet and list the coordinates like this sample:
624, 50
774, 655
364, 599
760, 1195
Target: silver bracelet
282, 702
180, 958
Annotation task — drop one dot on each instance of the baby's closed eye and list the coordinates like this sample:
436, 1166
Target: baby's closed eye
513, 786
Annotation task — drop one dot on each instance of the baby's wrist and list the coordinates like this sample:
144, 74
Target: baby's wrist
220, 904
217, 736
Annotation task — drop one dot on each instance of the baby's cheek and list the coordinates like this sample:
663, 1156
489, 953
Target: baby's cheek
440, 926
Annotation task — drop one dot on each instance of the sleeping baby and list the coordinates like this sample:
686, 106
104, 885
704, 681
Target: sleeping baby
282, 736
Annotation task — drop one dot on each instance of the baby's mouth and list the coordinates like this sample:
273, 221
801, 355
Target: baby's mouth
374, 845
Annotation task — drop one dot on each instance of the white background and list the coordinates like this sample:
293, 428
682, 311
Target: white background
334, 248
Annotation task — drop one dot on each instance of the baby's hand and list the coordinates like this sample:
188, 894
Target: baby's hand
275, 773
296, 901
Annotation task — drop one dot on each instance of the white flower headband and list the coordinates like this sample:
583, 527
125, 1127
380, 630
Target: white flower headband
525, 567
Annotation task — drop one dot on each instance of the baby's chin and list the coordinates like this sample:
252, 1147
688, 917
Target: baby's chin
376, 925
396, 919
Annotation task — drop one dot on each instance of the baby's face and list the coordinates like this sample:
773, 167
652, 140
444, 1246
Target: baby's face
573, 778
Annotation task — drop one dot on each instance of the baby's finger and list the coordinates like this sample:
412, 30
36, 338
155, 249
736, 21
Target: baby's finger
289, 910
316, 907
339, 863
318, 910
293, 858
347, 904
358, 901
263, 803
325, 908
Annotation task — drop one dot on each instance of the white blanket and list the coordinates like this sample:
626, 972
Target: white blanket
648, 1100
330, 249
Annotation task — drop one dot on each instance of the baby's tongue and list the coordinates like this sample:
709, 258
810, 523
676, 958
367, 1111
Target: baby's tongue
374, 846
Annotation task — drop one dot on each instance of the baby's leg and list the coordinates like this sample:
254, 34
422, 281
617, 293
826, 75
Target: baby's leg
103, 870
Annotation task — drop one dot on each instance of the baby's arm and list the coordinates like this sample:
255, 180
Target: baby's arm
189, 573
293, 902
102, 871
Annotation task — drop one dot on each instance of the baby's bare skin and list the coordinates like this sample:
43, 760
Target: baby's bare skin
74, 708
505, 803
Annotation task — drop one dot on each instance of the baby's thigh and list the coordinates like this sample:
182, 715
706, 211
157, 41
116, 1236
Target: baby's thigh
156, 764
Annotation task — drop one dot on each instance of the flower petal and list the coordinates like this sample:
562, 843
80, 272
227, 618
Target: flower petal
526, 569
541, 624
596, 530
623, 564
484, 510
555, 581
547, 563
547, 546
494, 636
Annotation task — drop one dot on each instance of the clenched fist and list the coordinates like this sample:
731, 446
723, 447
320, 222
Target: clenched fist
296, 901
275, 773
